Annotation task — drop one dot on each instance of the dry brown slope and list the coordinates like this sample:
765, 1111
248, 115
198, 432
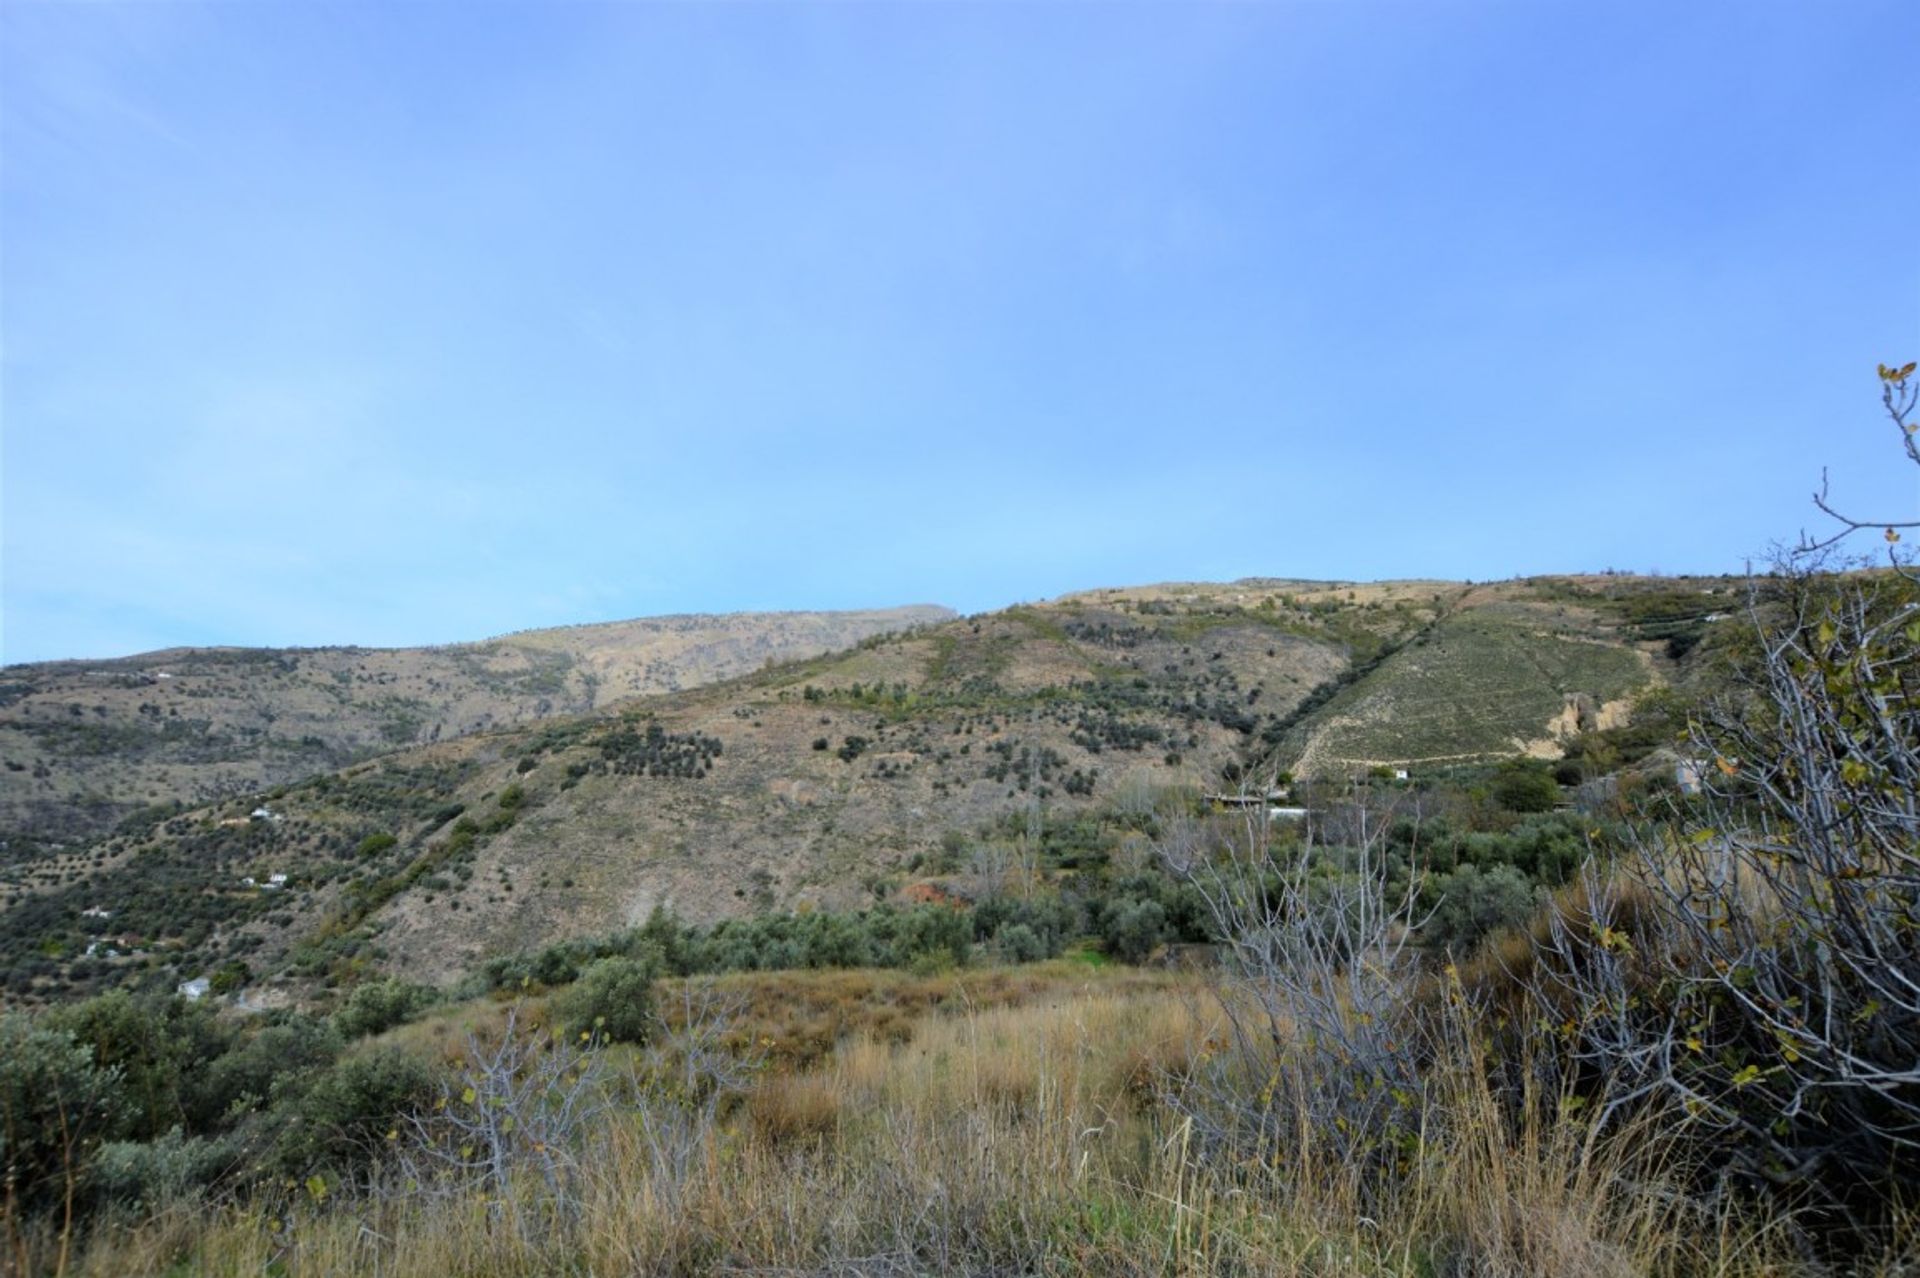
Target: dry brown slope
717, 801
84, 743
778, 821
924, 737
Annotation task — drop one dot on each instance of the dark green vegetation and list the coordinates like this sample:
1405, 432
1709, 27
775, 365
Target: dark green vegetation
137, 1101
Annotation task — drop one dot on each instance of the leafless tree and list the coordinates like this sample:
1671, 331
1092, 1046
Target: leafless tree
692, 1066
989, 865
525, 1119
518, 1106
1791, 892
1771, 986
1319, 992
1899, 395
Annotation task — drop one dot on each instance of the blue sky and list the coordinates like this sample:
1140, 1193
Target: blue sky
394, 324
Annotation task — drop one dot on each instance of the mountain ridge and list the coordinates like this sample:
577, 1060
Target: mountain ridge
86, 743
847, 778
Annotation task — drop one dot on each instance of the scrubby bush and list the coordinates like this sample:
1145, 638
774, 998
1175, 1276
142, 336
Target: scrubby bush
1525, 785
1548, 848
1134, 930
1029, 929
374, 845
1470, 903
343, 1120
277, 1062
56, 1107
148, 1175
230, 977
612, 1000
1019, 943
158, 1048
380, 1005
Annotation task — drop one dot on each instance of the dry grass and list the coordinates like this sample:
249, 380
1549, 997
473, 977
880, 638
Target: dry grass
1021, 1135
800, 1018
786, 1112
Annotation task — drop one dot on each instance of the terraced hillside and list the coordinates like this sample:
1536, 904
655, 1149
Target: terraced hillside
832, 781
1513, 668
1506, 678
85, 744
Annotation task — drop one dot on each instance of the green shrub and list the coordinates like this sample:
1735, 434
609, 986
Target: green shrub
1525, 785
343, 1120
612, 1000
229, 977
375, 844
274, 1065
149, 1175
157, 1047
1019, 943
914, 938
56, 1107
380, 1005
1135, 929
1044, 925
1472, 902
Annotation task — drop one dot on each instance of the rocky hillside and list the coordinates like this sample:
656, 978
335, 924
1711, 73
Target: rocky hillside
86, 744
836, 780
